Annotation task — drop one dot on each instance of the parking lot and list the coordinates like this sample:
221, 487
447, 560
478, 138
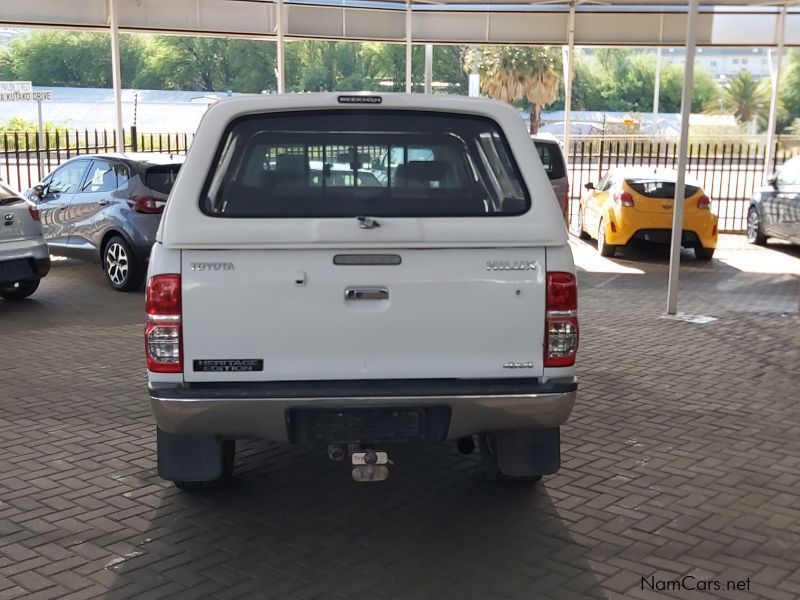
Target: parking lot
682, 458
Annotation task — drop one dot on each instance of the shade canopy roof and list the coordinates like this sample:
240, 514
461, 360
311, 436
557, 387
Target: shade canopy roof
597, 23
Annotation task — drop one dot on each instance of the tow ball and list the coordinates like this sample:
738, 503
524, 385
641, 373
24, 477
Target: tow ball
368, 464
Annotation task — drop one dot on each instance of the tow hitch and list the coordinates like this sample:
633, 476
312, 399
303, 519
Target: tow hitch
368, 465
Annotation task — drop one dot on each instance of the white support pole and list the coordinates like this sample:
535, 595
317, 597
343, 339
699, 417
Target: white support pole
568, 78
474, 76
116, 75
408, 47
280, 55
780, 34
657, 85
428, 68
41, 123
680, 180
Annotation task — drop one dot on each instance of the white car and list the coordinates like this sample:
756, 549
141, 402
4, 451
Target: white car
24, 258
299, 302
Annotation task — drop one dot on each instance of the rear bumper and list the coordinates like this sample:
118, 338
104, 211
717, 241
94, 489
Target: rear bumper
698, 228
262, 411
23, 269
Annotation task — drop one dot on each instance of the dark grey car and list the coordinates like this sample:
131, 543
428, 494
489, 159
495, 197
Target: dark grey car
106, 208
775, 209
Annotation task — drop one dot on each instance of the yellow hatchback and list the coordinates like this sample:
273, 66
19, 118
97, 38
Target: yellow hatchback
636, 204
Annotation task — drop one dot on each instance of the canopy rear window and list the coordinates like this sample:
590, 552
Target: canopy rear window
364, 163
657, 188
161, 178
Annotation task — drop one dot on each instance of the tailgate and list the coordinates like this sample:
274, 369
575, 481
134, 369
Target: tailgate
16, 222
325, 314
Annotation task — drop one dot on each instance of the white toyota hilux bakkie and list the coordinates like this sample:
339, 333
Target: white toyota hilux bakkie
357, 270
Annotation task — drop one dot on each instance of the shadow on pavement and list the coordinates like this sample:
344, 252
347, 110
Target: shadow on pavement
295, 525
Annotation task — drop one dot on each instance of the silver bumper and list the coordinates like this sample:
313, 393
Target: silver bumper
267, 417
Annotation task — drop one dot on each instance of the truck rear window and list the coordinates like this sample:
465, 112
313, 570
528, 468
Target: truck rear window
372, 163
653, 188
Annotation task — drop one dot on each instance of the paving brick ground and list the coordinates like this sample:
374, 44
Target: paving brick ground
682, 459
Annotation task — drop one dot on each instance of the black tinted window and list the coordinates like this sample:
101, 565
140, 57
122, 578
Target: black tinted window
8, 196
653, 188
552, 159
353, 163
161, 178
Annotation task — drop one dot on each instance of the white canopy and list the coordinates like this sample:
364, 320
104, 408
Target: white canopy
597, 23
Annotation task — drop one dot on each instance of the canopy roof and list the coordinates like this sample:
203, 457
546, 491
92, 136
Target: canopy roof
597, 22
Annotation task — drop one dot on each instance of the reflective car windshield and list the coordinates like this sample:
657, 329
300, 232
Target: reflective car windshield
353, 163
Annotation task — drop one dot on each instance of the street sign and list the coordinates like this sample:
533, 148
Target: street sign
21, 91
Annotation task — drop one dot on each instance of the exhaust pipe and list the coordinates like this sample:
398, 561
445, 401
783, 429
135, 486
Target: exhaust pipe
466, 445
337, 452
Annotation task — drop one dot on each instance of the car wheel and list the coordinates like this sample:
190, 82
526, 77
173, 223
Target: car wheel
228, 463
20, 290
487, 444
607, 250
122, 267
703, 253
754, 235
581, 231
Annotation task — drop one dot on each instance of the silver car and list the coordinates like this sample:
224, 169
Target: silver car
24, 258
106, 208
556, 168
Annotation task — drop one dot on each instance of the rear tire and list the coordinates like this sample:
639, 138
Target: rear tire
228, 463
607, 250
754, 235
20, 290
704, 254
124, 270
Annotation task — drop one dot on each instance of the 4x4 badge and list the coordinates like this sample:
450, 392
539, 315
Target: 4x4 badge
511, 265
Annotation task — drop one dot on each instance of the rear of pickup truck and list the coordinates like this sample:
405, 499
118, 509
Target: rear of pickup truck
336, 272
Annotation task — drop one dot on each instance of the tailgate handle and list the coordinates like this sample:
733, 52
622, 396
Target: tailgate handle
371, 293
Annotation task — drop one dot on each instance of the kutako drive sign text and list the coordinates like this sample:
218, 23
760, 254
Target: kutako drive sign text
20, 91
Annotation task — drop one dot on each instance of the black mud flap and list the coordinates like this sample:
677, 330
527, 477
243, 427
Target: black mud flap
189, 457
528, 452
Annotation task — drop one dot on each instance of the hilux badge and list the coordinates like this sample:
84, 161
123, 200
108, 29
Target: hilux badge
213, 266
510, 265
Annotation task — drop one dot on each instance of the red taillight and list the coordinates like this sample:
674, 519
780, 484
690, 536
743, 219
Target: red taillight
162, 335
704, 202
147, 205
561, 320
625, 199
34, 212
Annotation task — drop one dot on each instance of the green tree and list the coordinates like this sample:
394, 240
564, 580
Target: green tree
71, 59
747, 98
514, 73
790, 92
705, 90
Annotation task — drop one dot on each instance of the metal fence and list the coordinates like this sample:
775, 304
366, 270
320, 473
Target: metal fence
729, 171
27, 157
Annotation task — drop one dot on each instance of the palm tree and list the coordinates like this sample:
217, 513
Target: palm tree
747, 97
512, 73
